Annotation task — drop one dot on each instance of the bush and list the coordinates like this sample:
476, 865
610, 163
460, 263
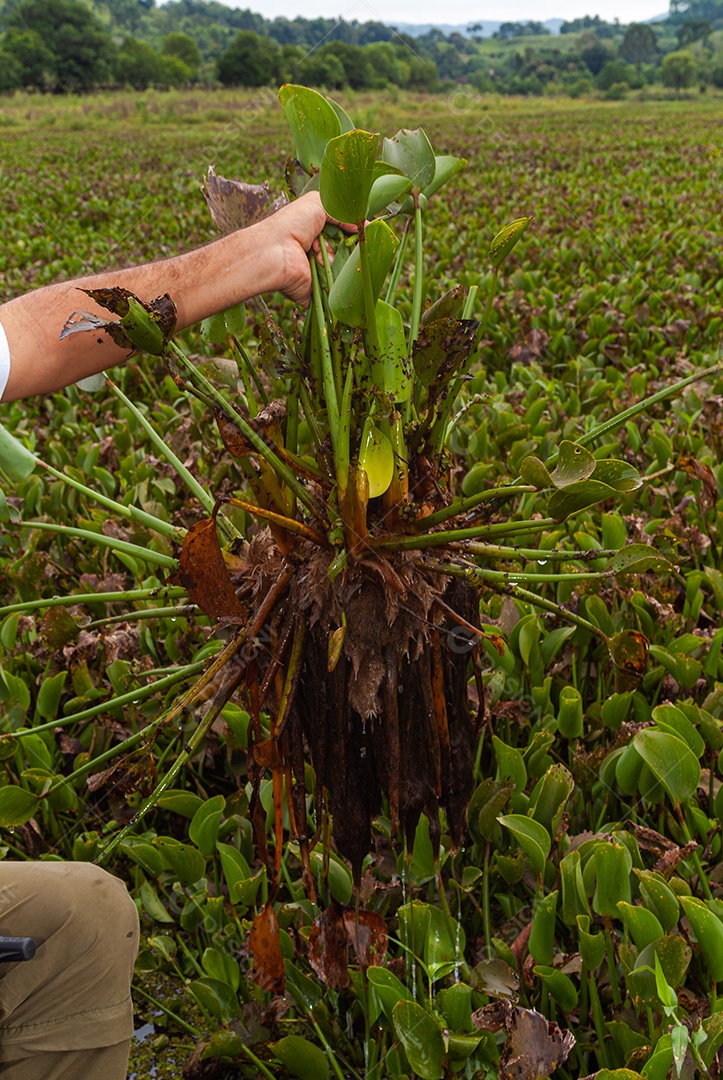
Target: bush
617, 91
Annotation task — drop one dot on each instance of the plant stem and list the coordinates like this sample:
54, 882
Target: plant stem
462, 506
134, 550
416, 543
179, 611
283, 471
204, 497
498, 551
398, 263
134, 513
327, 366
94, 598
164, 1009
418, 294
131, 697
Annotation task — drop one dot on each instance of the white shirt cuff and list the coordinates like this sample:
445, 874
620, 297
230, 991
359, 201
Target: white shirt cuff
4, 361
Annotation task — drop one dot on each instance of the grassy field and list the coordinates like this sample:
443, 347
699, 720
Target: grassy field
598, 900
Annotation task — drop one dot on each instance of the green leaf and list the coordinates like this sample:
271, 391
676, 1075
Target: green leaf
347, 175
667, 995
671, 719
313, 122
609, 867
506, 239
535, 472
242, 887
347, 124
617, 474
455, 1005
222, 966
16, 806
301, 1057
421, 1037
569, 713
532, 837
393, 352
549, 801
574, 463
670, 761
445, 167
659, 898
185, 861
444, 944
217, 998
559, 985
638, 559
346, 297
510, 763
387, 189
388, 988
489, 800
542, 935
49, 694
376, 458
204, 826
708, 930
180, 802
15, 459
642, 924
576, 497
411, 153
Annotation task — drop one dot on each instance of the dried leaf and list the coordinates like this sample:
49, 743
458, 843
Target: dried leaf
709, 493
535, 1046
235, 205
58, 627
328, 948
265, 947
202, 572
367, 934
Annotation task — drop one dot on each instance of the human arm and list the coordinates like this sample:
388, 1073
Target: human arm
266, 257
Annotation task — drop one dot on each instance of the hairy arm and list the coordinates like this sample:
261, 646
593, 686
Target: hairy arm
270, 256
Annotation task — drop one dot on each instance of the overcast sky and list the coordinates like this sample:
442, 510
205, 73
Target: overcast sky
455, 11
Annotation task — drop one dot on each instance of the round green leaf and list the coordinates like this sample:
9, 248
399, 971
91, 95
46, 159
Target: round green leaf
346, 297
376, 458
16, 806
532, 837
421, 1037
15, 459
313, 122
347, 175
412, 154
301, 1057
671, 761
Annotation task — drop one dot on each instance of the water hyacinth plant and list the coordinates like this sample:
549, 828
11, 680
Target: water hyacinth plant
350, 609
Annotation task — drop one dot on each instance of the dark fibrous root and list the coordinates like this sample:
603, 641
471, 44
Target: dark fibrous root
391, 721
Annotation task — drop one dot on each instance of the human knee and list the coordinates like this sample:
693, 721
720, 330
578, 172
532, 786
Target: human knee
100, 910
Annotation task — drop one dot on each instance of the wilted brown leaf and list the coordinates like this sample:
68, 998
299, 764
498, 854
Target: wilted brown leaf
265, 947
367, 934
202, 572
709, 492
328, 948
235, 205
58, 627
535, 1046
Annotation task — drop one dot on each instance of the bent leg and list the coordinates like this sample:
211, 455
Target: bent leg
74, 995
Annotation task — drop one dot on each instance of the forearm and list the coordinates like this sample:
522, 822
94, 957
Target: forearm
201, 282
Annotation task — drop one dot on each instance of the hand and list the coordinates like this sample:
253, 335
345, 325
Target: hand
294, 229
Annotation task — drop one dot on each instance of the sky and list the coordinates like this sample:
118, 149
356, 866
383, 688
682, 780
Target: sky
456, 12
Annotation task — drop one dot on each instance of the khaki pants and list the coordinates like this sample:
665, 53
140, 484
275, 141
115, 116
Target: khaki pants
67, 1013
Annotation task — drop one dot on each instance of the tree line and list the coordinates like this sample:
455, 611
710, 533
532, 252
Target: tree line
79, 45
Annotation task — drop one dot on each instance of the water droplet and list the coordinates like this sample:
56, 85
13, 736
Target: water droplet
542, 562
363, 752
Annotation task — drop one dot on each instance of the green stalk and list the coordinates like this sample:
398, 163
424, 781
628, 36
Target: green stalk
498, 551
398, 263
516, 592
598, 1020
94, 598
612, 968
327, 365
249, 369
635, 410
135, 550
204, 497
370, 317
503, 528
178, 611
443, 421
282, 470
134, 513
164, 1009
470, 302
418, 294
131, 697
463, 505
512, 576
343, 449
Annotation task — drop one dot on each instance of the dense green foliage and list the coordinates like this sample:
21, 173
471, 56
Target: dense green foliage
586, 782
136, 43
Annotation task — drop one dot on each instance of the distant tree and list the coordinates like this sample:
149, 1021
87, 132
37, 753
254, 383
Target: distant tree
615, 73
601, 28
33, 61
137, 64
83, 51
322, 69
640, 45
593, 52
358, 69
695, 30
678, 70
250, 60
183, 48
